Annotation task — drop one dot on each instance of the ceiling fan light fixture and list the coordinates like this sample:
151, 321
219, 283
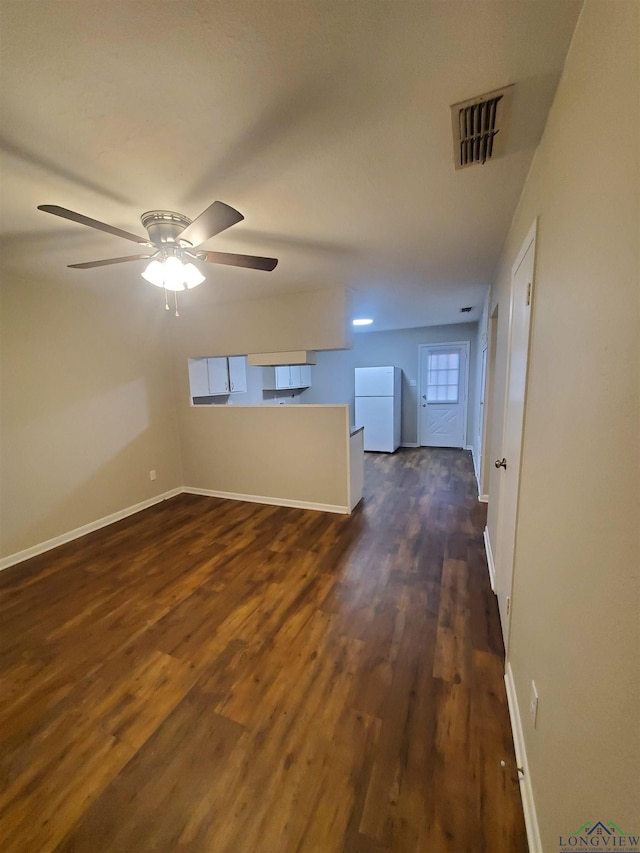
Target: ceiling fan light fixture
173, 273
173, 239
154, 273
192, 275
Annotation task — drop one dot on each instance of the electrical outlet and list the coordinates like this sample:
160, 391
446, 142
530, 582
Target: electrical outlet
413, 383
152, 474
533, 704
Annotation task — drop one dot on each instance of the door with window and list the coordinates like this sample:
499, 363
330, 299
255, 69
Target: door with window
444, 379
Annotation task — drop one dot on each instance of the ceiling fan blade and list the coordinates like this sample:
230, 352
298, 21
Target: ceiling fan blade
92, 223
249, 261
216, 218
90, 264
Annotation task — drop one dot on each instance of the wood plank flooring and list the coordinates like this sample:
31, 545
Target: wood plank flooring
221, 677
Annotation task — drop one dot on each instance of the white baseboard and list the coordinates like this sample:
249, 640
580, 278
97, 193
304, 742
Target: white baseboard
49, 544
490, 564
526, 789
34, 550
409, 444
260, 499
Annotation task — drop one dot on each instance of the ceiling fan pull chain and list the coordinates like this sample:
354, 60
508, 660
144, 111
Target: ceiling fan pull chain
175, 296
166, 300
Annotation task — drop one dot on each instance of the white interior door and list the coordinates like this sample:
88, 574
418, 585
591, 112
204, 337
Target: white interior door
483, 388
509, 464
444, 378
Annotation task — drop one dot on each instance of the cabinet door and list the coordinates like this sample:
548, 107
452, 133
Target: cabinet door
269, 379
237, 374
218, 375
294, 376
198, 377
305, 375
283, 376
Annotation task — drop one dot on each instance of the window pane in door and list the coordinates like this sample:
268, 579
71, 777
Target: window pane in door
443, 377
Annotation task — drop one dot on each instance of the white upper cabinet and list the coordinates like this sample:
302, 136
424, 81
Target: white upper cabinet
237, 373
305, 375
295, 376
211, 377
199, 377
286, 376
282, 375
218, 376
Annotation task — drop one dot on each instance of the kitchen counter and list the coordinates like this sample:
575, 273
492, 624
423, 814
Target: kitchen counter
303, 455
356, 465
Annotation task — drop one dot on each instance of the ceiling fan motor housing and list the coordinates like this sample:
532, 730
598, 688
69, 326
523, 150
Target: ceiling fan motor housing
164, 227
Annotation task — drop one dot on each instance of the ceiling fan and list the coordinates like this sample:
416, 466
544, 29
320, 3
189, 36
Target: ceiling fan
173, 242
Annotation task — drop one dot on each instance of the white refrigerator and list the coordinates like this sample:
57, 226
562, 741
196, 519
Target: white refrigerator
378, 404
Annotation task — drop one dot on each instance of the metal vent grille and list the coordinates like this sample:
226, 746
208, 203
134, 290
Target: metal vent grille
479, 127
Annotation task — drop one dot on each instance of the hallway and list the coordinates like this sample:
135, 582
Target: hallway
228, 677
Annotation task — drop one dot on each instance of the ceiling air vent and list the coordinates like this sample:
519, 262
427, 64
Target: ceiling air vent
480, 127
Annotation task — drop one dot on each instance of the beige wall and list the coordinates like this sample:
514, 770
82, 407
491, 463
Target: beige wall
310, 320
575, 598
92, 378
297, 453
290, 453
86, 406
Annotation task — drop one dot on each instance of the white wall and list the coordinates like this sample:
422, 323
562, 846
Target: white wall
575, 611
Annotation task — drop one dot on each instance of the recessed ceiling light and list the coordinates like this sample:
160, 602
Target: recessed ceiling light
363, 321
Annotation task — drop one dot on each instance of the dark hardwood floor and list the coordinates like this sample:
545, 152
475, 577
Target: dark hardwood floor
218, 676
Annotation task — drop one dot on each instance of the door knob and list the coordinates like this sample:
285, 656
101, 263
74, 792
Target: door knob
501, 463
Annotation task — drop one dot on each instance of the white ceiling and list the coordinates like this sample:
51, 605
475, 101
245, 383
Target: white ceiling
325, 122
